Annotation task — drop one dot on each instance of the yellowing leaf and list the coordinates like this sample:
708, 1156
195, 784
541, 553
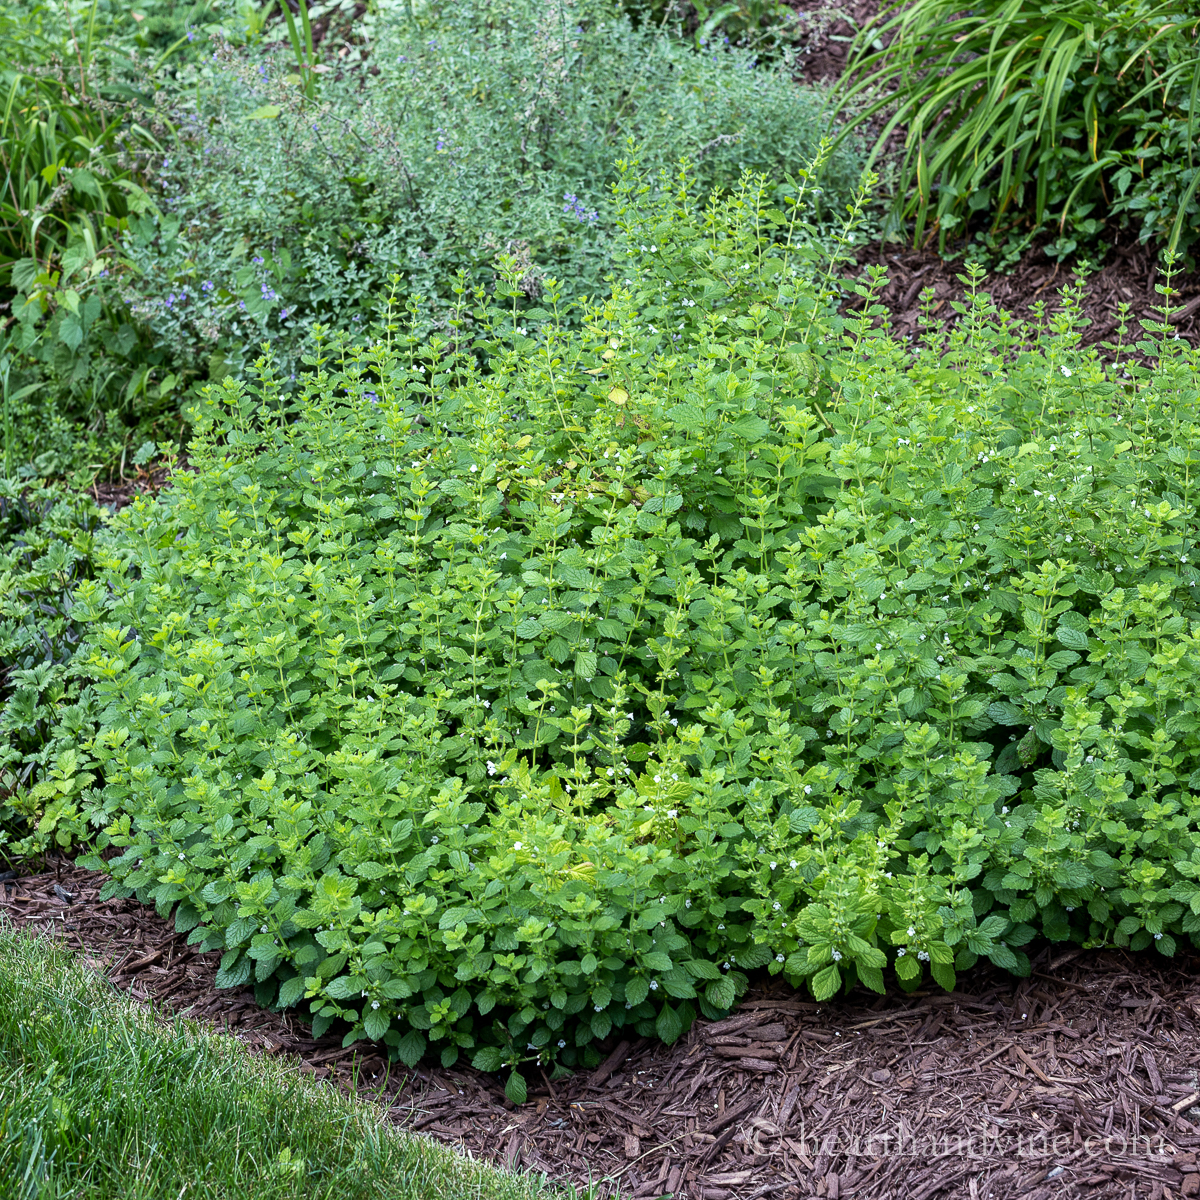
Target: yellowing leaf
618, 395
265, 113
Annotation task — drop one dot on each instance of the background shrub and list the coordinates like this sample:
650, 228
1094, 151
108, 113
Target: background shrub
489, 126
1081, 114
496, 711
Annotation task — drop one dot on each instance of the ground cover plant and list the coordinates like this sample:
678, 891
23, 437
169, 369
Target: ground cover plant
100, 1098
46, 538
181, 183
1074, 117
492, 712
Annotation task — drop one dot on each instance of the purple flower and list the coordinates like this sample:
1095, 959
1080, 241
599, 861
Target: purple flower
575, 206
241, 306
257, 260
441, 145
207, 285
283, 312
191, 36
262, 70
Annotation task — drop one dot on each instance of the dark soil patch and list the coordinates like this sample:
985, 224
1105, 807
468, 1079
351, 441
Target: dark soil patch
823, 35
1130, 275
1081, 1081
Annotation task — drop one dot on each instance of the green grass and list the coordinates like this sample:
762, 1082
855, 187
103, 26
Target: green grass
100, 1098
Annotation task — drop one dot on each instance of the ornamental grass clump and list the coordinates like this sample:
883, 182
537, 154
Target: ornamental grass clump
497, 710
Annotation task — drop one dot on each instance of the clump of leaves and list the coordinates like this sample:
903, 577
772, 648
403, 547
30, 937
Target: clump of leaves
1077, 113
46, 539
496, 711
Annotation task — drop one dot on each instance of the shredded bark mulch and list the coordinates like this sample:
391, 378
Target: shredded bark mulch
1080, 1081
1130, 275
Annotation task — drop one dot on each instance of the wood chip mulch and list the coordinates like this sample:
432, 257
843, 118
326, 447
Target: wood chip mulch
1130, 275
1081, 1081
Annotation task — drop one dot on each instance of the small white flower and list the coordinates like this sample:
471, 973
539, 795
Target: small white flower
912, 932
1158, 937
1066, 371
793, 864
922, 955
808, 789
263, 929
474, 468
776, 906
654, 985
836, 955
561, 1043
434, 840
779, 958
516, 845
901, 952
672, 813
374, 1003
598, 1007
878, 645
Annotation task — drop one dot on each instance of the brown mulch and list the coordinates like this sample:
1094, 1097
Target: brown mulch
115, 493
1130, 276
1081, 1081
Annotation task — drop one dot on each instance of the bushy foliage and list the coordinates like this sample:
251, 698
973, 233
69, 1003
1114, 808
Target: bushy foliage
46, 539
488, 126
498, 711
70, 184
1082, 114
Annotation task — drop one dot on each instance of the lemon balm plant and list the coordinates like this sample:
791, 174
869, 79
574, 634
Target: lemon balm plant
495, 711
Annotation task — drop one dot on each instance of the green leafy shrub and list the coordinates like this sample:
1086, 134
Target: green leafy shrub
490, 126
46, 539
765, 25
73, 78
498, 711
1082, 113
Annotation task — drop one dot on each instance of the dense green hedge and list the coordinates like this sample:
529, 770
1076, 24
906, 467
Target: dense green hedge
501, 710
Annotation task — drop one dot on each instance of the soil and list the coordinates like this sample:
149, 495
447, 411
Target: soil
1081, 1081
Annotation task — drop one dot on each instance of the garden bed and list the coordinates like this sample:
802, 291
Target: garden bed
1081, 1080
